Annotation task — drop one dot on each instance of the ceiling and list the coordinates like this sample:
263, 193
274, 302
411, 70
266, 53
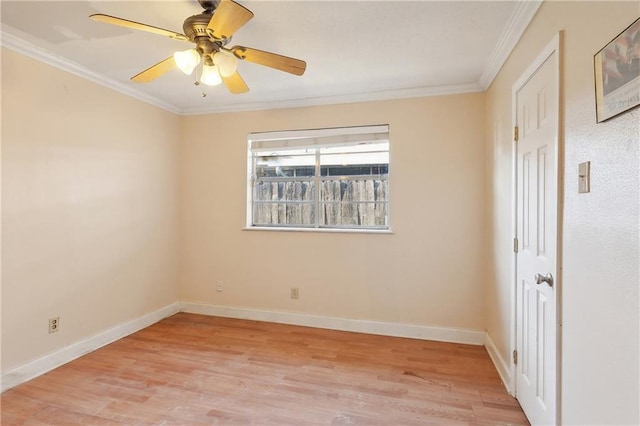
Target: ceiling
355, 50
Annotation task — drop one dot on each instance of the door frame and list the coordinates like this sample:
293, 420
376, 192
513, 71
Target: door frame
554, 46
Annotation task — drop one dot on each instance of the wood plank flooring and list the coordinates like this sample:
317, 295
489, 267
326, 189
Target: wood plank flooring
199, 370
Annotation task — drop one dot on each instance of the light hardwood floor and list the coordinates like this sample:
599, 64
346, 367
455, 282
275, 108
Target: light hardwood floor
199, 370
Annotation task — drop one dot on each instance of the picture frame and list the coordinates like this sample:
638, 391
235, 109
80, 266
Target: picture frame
617, 74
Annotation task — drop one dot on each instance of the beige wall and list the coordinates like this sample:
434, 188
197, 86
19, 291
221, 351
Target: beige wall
429, 272
600, 281
91, 189
91, 194
89, 208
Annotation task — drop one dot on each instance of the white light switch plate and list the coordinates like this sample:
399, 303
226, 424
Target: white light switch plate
584, 176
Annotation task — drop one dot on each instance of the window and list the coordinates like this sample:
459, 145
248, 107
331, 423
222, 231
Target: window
323, 178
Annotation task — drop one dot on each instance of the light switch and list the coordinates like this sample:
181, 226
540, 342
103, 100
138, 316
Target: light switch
584, 175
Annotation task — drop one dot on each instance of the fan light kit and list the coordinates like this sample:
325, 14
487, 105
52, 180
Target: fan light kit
211, 31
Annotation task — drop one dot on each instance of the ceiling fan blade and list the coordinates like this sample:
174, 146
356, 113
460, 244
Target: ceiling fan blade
235, 84
227, 18
272, 60
137, 26
155, 71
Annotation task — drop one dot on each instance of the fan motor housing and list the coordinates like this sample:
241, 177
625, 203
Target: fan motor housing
196, 26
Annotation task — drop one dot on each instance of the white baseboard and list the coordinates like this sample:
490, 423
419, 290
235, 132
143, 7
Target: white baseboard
504, 368
452, 335
62, 356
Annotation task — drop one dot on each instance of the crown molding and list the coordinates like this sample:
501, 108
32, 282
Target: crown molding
419, 92
19, 45
518, 22
516, 26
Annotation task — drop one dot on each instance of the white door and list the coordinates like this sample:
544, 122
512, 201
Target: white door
537, 230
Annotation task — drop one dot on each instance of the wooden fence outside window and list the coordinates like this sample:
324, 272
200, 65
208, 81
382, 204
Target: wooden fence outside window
350, 202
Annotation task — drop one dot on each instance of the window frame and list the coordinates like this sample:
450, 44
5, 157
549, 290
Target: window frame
338, 136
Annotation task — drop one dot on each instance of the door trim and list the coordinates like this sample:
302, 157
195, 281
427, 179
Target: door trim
554, 46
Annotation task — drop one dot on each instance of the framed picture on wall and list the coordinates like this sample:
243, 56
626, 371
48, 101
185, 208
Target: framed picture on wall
617, 74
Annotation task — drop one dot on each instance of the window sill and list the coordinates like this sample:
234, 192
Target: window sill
320, 230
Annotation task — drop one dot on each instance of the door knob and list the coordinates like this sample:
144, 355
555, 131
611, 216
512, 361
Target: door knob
544, 279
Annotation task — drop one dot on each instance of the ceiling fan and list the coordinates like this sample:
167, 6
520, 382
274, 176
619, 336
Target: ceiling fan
211, 31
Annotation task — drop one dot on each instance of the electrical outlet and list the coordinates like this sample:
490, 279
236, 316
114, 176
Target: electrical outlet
294, 293
54, 324
219, 286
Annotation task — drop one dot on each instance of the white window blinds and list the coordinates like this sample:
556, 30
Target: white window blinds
301, 139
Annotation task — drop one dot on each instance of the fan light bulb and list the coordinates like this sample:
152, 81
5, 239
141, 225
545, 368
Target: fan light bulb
187, 60
226, 63
210, 75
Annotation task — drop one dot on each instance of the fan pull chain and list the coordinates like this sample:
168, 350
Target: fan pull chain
197, 83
